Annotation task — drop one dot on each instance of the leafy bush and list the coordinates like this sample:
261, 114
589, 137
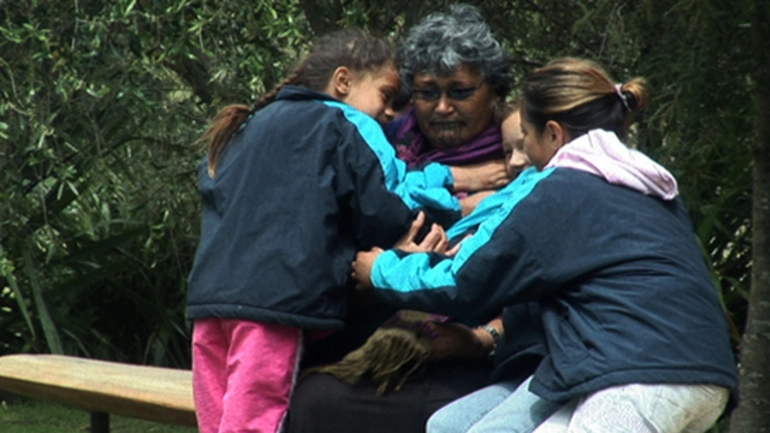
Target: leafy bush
101, 104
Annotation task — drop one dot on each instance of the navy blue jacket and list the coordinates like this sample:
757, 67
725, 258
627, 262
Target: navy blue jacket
523, 345
624, 291
306, 182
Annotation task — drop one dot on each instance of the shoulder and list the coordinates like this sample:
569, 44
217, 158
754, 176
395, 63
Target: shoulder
565, 186
362, 122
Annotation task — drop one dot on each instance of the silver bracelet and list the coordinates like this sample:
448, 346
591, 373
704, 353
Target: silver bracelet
495, 337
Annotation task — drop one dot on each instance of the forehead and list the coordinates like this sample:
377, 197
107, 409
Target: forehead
384, 78
388, 69
512, 123
387, 75
463, 74
511, 130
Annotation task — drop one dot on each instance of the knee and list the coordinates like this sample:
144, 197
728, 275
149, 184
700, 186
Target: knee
443, 421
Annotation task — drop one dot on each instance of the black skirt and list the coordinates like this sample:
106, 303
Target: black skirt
324, 404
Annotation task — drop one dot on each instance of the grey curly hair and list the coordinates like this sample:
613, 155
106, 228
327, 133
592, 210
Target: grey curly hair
443, 41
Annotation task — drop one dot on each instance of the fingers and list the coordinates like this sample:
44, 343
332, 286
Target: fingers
416, 226
504, 180
430, 239
443, 244
453, 251
411, 234
499, 176
354, 277
361, 268
493, 174
436, 240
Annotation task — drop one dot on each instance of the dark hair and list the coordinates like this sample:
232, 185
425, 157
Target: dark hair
579, 95
441, 42
505, 109
352, 48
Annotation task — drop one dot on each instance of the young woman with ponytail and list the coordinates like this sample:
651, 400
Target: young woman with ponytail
635, 336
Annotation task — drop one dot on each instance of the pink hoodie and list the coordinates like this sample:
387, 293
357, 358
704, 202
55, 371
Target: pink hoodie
601, 153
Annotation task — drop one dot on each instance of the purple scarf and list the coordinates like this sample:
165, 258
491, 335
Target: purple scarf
413, 149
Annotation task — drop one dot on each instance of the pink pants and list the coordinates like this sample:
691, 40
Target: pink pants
243, 374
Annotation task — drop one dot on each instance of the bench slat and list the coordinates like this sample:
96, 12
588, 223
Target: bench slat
151, 393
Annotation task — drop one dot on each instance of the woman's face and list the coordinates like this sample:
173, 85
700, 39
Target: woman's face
537, 146
452, 110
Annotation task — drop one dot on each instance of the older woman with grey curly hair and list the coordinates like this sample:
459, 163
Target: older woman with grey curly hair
455, 75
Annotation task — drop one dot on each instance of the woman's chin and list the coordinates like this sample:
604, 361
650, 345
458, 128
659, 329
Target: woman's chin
446, 141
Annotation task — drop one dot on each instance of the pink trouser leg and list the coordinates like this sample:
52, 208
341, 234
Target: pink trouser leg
209, 373
243, 374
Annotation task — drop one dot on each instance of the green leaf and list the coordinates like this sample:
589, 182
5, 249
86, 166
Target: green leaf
49, 328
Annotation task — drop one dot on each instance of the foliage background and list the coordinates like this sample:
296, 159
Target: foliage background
101, 104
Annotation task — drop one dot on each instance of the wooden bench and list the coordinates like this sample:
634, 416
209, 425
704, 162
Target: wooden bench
151, 393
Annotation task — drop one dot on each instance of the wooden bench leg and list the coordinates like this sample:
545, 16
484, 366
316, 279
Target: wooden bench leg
100, 422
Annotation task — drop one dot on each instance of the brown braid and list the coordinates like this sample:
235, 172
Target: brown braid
270, 97
227, 122
222, 128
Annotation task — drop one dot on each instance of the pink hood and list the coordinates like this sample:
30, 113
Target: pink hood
601, 153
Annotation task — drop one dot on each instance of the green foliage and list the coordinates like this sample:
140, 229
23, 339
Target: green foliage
101, 104
695, 57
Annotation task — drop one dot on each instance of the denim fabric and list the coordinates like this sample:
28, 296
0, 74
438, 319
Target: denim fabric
503, 407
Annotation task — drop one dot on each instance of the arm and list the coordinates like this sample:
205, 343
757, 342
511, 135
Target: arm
485, 275
495, 267
455, 340
376, 188
469, 203
482, 176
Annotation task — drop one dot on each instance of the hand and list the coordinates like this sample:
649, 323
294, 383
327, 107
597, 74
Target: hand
455, 340
477, 177
469, 203
453, 251
362, 267
435, 241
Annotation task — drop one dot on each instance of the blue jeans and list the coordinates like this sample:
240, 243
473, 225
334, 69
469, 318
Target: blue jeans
503, 407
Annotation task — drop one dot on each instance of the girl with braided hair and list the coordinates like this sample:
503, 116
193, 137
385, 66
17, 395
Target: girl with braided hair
291, 187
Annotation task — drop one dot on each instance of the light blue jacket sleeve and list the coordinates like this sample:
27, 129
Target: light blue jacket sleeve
428, 187
466, 283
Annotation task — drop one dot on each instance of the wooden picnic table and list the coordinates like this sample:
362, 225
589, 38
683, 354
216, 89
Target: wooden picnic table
151, 393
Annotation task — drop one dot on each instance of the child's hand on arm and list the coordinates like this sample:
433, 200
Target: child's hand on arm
455, 340
478, 177
467, 204
435, 241
362, 267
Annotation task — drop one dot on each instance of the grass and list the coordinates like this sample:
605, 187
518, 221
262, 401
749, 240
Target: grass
19, 415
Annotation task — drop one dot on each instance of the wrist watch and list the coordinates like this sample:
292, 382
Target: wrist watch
495, 337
